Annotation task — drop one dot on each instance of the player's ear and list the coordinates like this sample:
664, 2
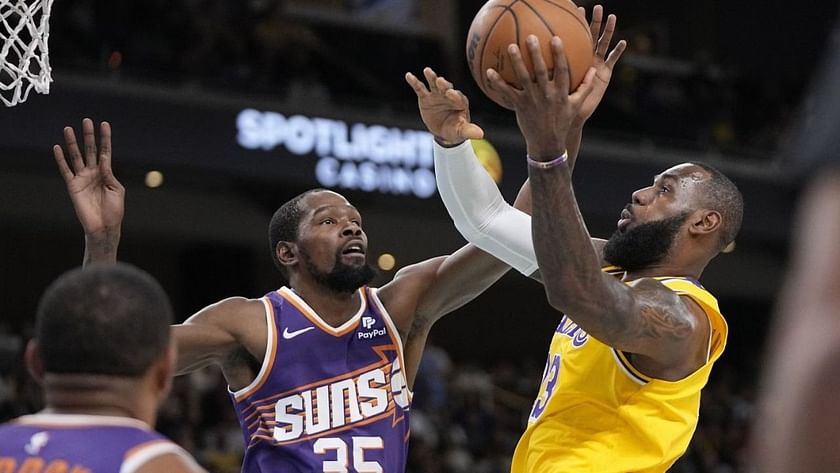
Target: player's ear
34, 362
164, 370
286, 252
705, 221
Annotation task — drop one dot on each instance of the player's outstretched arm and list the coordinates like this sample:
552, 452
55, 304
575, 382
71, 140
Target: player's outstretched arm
472, 199
97, 195
214, 334
646, 318
208, 337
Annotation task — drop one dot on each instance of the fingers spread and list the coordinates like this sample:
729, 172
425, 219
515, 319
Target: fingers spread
431, 78
595, 24
89, 138
457, 99
616, 53
416, 84
540, 69
73, 149
506, 91
105, 146
443, 85
606, 37
523, 77
63, 168
561, 66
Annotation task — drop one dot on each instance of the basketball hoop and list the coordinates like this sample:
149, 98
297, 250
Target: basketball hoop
24, 55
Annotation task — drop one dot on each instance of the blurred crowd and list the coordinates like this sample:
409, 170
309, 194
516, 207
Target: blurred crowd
258, 47
465, 417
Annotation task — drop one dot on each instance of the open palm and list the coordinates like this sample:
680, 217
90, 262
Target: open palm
97, 195
602, 62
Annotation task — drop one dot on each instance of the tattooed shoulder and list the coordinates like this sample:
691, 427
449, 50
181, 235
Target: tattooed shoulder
660, 312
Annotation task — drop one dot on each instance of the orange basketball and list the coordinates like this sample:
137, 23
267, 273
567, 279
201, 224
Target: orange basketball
500, 23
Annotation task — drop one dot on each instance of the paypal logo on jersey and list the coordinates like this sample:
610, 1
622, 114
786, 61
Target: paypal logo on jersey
368, 324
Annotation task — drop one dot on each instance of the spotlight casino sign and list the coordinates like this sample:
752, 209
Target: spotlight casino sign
357, 156
354, 150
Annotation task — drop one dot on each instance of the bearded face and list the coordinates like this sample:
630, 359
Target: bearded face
343, 277
643, 245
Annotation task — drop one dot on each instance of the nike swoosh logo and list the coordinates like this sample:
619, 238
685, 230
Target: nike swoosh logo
290, 335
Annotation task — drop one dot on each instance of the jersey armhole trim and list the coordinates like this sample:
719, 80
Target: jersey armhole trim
270, 354
628, 369
711, 312
392, 331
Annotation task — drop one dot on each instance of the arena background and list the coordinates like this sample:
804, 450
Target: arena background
197, 89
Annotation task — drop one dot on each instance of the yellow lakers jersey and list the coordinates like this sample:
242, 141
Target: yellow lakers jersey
595, 413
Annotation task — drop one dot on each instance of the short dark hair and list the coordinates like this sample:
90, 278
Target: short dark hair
105, 319
722, 195
284, 225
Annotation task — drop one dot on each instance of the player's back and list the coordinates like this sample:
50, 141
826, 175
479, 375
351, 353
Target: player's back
70, 443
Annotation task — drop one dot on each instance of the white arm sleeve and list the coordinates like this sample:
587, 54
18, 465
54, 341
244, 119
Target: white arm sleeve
480, 212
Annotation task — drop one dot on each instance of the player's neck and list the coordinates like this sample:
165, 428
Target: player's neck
96, 395
333, 307
665, 269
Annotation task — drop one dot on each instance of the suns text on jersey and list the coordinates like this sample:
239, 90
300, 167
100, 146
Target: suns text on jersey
340, 403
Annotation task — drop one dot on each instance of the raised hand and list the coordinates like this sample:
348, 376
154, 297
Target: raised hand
97, 196
444, 109
603, 63
544, 108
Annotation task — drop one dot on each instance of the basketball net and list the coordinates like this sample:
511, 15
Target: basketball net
24, 56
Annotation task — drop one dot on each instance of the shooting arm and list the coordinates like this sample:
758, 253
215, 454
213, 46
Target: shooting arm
644, 318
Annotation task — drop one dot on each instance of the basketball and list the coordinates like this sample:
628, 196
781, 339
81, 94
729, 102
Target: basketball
500, 23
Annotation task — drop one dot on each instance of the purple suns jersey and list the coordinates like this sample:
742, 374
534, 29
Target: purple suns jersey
327, 399
70, 443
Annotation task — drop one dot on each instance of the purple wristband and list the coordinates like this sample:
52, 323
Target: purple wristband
549, 164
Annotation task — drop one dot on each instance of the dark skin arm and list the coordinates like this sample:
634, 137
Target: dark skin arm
420, 294
97, 195
604, 64
644, 318
230, 334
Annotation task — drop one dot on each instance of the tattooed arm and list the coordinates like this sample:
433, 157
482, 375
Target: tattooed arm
667, 334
